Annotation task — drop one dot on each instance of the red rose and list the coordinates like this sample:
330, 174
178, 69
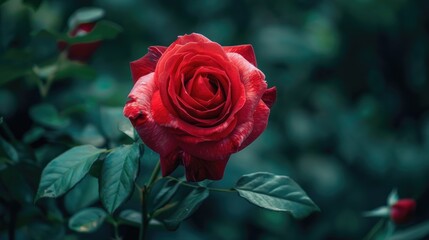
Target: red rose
81, 51
196, 102
402, 210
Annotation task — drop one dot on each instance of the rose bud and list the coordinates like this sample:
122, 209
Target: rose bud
196, 102
402, 210
80, 51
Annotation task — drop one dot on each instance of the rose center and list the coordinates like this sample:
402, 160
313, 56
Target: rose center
202, 87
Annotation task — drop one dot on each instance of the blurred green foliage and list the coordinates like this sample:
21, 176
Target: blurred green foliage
351, 121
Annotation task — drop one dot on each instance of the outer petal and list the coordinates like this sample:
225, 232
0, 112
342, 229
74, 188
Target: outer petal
170, 162
82, 29
147, 63
199, 169
138, 110
260, 120
244, 50
83, 51
215, 150
270, 96
193, 37
252, 78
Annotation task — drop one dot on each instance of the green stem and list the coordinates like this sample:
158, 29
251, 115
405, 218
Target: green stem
144, 194
196, 186
222, 189
145, 221
374, 230
116, 230
44, 87
154, 175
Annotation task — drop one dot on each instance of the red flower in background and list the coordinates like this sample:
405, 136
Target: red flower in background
196, 102
402, 210
80, 51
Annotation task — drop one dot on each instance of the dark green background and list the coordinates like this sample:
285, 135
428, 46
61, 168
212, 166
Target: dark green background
350, 123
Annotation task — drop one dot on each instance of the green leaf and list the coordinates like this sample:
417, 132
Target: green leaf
45, 71
161, 193
181, 208
62, 173
378, 212
65, 69
87, 135
33, 134
74, 69
8, 148
85, 15
9, 73
118, 173
88, 220
205, 183
134, 218
47, 115
278, 193
392, 198
131, 216
113, 122
420, 231
95, 170
82, 195
53, 35
128, 129
103, 30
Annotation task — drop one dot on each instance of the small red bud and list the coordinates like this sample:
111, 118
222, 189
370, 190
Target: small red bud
402, 210
81, 51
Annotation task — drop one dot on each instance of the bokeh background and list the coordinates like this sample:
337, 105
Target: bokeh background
350, 124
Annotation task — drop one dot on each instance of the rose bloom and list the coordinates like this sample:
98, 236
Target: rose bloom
402, 210
196, 102
80, 51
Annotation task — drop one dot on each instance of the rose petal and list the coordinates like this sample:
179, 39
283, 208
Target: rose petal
138, 110
187, 132
245, 51
170, 162
255, 86
206, 118
82, 51
215, 150
252, 78
270, 96
147, 63
193, 37
190, 88
260, 121
198, 169
82, 29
